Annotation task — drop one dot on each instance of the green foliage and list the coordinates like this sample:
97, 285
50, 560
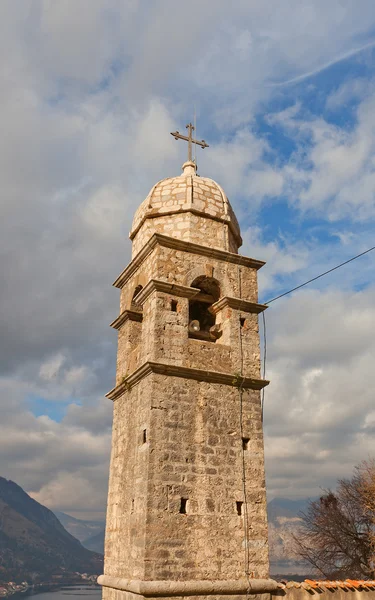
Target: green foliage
237, 380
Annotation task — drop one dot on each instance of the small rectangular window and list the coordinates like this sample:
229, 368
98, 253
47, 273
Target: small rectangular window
183, 506
239, 508
242, 321
174, 305
132, 506
245, 443
144, 436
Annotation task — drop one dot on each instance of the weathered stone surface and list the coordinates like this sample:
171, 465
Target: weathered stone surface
186, 499
188, 207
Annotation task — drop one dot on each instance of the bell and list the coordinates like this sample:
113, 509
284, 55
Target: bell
194, 326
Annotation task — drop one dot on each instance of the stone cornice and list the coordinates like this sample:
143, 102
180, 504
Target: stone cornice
159, 239
126, 315
187, 373
237, 304
221, 255
157, 285
189, 588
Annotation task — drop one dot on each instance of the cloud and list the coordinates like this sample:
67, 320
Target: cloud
90, 92
326, 65
241, 166
353, 90
321, 394
63, 465
331, 171
49, 369
283, 257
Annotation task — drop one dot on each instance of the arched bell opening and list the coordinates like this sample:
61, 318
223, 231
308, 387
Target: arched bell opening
202, 322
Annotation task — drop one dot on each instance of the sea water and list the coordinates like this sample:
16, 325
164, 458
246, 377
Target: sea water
74, 592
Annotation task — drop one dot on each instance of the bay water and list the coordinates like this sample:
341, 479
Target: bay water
74, 592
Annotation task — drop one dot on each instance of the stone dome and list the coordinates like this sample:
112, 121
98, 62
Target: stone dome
189, 207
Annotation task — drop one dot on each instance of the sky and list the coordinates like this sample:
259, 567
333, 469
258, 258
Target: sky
284, 93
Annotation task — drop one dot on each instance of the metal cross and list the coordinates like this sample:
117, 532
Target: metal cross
189, 139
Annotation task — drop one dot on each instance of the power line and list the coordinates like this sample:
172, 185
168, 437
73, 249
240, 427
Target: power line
264, 360
321, 275
289, 292
244, 490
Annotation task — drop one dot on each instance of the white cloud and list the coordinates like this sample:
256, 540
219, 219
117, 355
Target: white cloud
90, 92
63, 465
323, 67
354, 89
282, 256
50, 369
239, 164
319, 404
332, 170
67, 491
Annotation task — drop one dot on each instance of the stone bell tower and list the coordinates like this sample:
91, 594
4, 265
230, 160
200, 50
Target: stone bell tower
187, 502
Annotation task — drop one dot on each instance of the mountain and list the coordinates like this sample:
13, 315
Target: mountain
80, 528
89, 533
95, 542
34, 546
283, 521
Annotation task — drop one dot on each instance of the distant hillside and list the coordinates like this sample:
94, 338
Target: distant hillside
80, 528
283, 522
96, 542
89, 533
34, 546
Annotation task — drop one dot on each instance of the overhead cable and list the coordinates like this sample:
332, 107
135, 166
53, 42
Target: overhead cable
319, 276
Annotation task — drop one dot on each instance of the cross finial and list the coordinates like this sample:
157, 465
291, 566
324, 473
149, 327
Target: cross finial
189, 139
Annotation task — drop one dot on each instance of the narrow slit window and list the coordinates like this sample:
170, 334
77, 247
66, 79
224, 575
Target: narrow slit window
183, 506
144, 436
132, 506
239, 508
245, 443
174, 305
242, 321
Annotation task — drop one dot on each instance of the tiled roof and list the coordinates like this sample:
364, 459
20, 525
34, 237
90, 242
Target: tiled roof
315, 584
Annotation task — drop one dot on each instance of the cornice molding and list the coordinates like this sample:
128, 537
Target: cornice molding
189, 588
126, 315
149, 367
157, 285
237, 304
159, 239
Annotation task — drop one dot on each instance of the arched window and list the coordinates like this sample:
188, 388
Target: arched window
201, 320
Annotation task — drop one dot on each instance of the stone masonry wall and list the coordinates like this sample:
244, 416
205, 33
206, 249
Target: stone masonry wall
126, 508
189, 227
174, 439
180, 267
163, 334
193, 448
196, 455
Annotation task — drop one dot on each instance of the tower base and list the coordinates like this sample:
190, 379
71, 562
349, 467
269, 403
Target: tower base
117, 588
